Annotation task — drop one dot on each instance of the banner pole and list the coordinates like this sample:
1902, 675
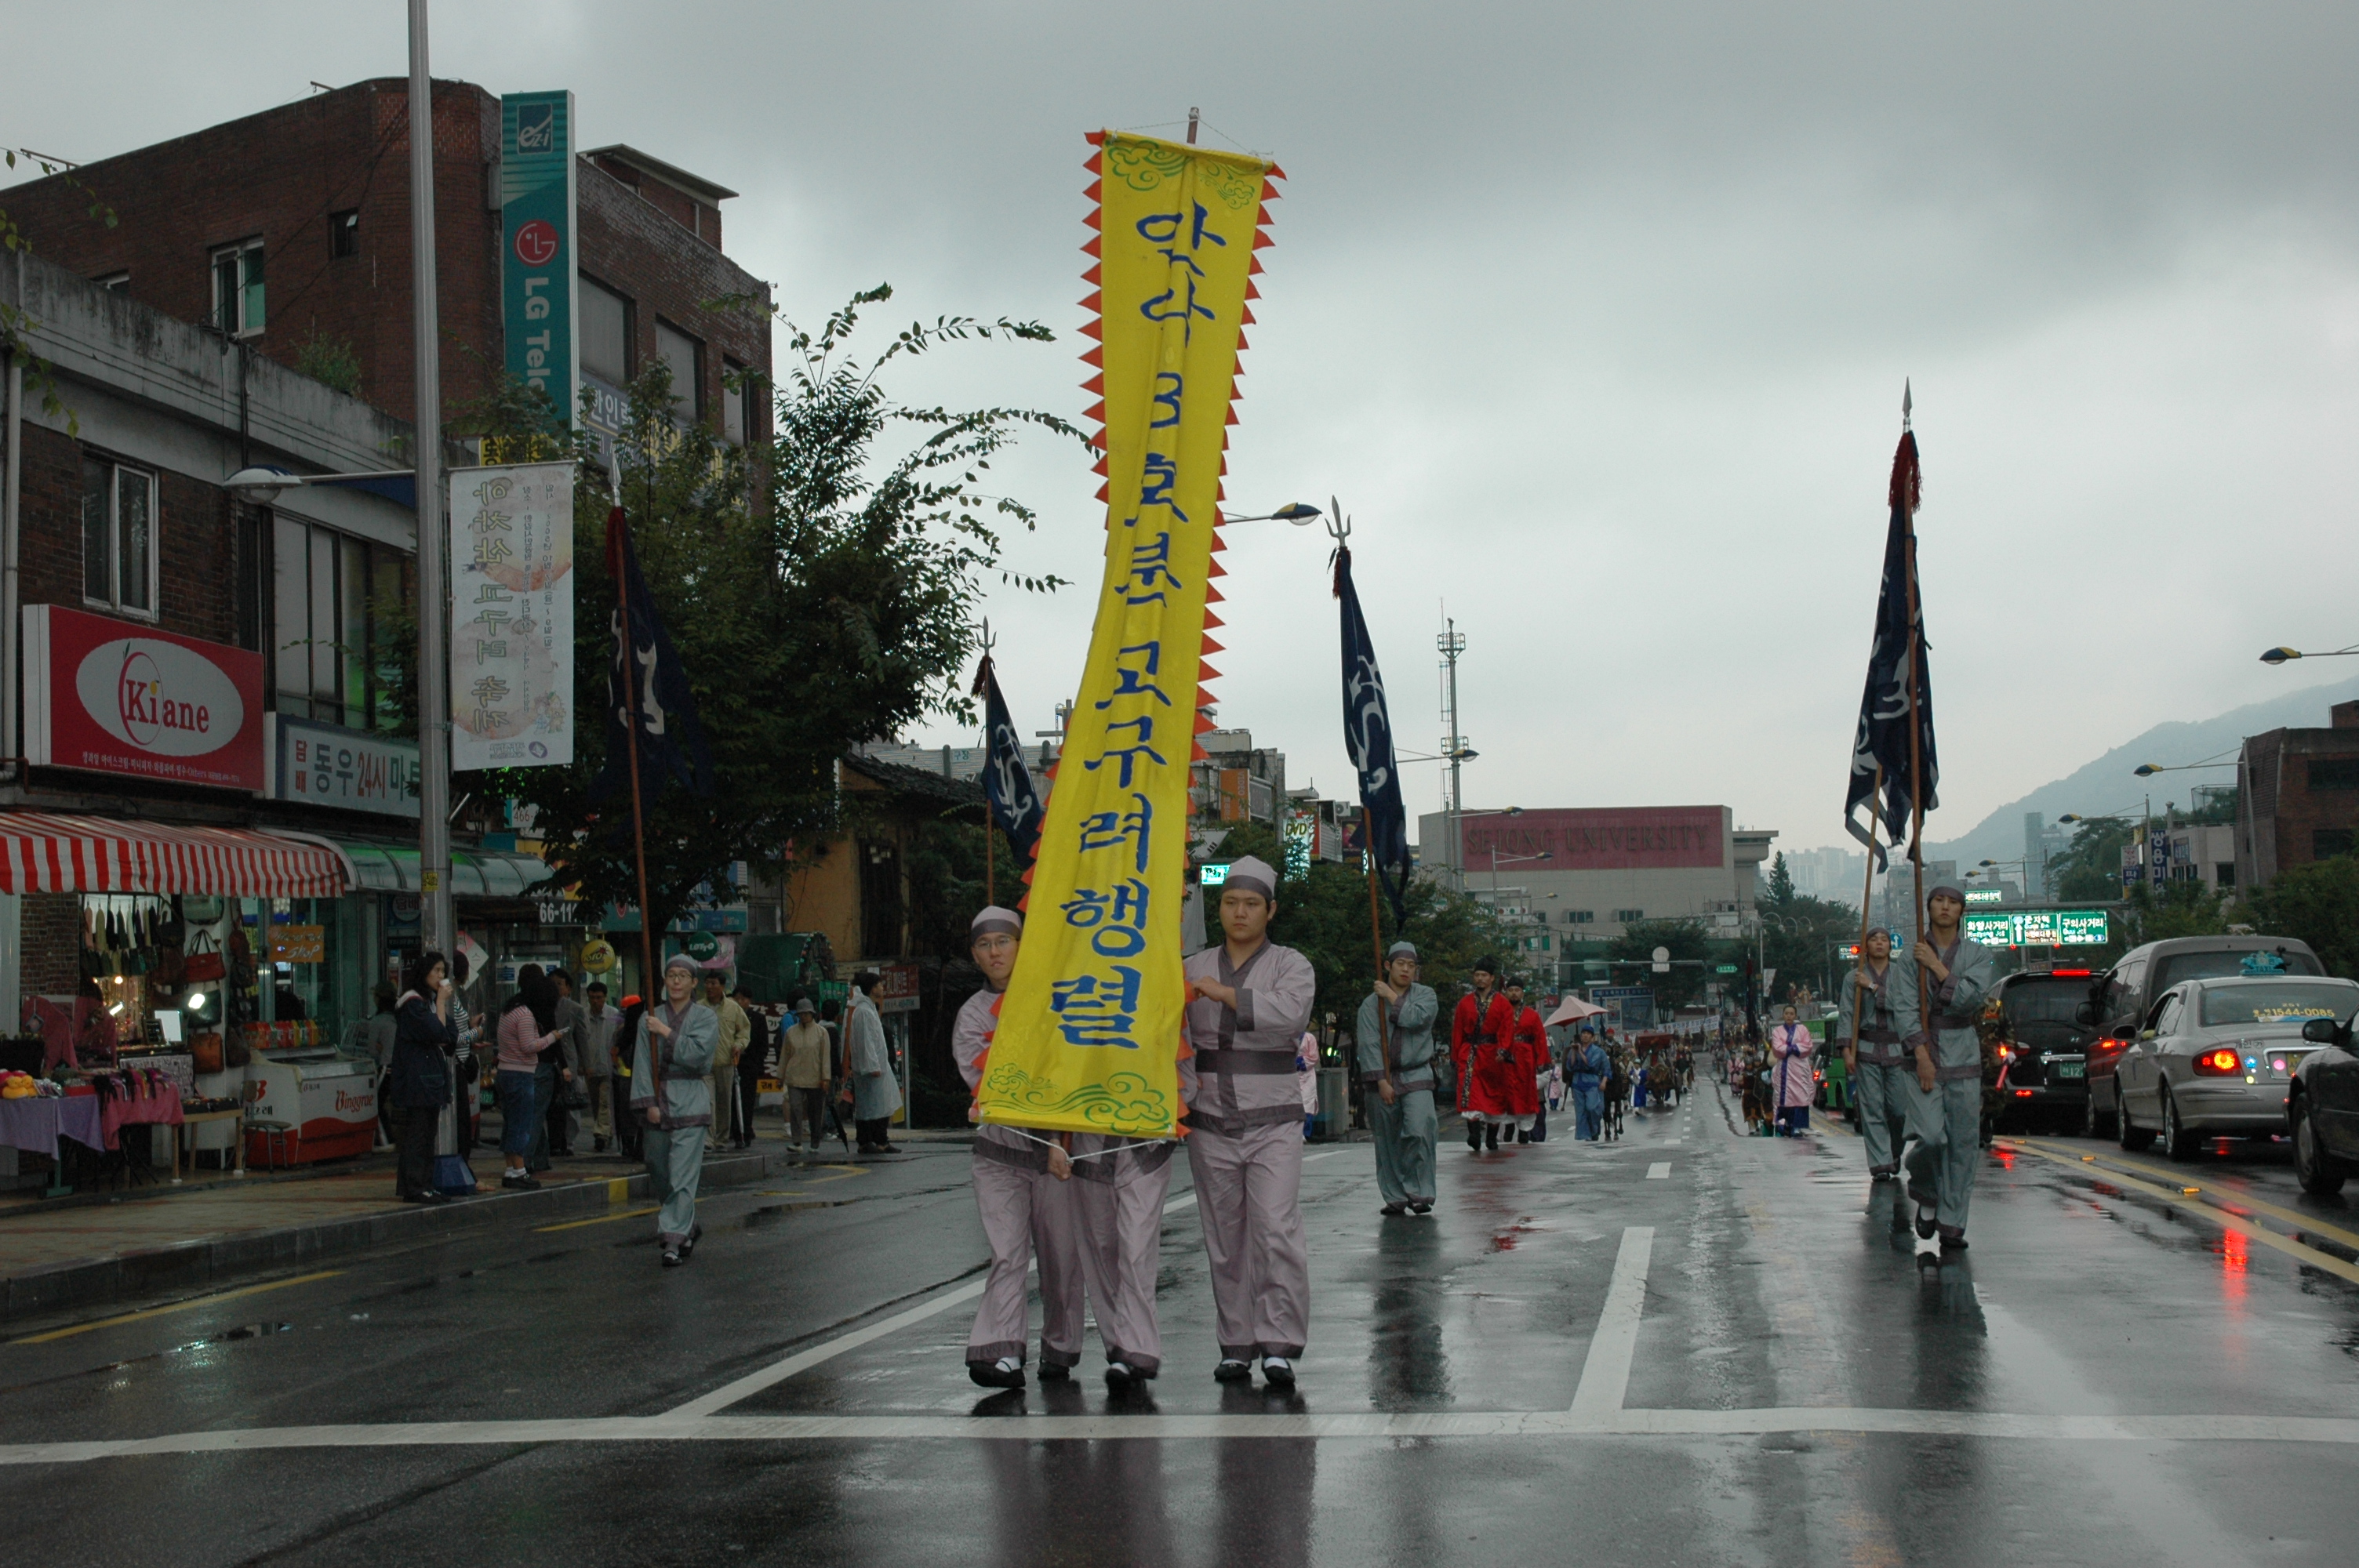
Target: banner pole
1916, 769
647, 977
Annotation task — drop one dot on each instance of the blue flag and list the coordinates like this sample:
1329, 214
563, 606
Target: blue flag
1016, 805
671, 742
1368, 737
1895, 663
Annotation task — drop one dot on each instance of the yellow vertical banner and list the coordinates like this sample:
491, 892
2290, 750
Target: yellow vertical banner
1088, 1030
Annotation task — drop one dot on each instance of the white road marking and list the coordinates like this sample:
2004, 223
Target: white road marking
752, 1383
1378, 1427
1660, 1171
1605, 1375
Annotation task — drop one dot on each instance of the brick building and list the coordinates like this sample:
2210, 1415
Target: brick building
2297, 799
289, 230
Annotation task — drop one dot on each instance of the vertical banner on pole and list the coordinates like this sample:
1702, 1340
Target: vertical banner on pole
1088, 1034
512, 616
537, 270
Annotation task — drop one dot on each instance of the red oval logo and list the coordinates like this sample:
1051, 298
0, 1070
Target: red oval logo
535, 243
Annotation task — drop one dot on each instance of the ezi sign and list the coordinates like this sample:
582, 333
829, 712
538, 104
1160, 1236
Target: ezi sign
536, 261
2039, 928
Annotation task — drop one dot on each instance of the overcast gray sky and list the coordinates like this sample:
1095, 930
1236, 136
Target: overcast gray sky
1595, 316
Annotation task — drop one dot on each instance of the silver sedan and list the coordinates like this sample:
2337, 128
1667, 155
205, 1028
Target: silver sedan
2216, 1057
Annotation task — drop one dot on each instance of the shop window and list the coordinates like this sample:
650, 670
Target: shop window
330, 660
685, 357
237, 289
605, 327
118, 537
344, 233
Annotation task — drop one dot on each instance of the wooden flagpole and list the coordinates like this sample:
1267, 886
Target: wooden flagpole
1916, 758
1376, 937
647, 977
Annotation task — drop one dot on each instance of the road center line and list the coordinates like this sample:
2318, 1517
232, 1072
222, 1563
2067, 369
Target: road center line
1606, 1374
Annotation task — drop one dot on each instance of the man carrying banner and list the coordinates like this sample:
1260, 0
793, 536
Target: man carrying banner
1481, 1048
1249, 1002
1880, 1069
1397, 1022
1586, 1068
1118, 1199
1021, 1192
671, 1061
1942, 1143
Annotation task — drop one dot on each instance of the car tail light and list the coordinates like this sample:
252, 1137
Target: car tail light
2219, 1063
2023, 1094
2078, 973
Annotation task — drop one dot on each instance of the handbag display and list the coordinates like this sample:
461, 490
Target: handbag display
200, 960
205, 1051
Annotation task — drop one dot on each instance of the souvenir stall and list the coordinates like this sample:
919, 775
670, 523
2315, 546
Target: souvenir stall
167, 1010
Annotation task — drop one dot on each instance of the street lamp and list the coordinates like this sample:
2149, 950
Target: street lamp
2280, 655
2148, 770
1543, 855
1457, 831
261, 486
1300, 513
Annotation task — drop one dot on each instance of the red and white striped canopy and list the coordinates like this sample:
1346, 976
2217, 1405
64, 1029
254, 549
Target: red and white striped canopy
41, 853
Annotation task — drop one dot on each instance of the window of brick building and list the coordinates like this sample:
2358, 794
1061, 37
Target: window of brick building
1580, 917
2334, 772
685, 355
118, 537
606, 321
2325, 843
344, 233
237, 288
736, 403
328, 657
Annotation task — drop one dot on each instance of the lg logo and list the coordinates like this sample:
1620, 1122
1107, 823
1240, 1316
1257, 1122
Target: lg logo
535, 243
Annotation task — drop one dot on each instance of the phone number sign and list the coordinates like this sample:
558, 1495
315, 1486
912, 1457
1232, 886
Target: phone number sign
2040, 928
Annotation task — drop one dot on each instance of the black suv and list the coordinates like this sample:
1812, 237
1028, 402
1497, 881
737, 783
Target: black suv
2121, 999
2043, 1049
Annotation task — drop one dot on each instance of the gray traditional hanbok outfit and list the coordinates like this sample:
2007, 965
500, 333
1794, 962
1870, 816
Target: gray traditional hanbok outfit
1244, 1143
1942, 1148
674, 1147
1886, 1069
1027, 1215
1406, 1131
875, 1092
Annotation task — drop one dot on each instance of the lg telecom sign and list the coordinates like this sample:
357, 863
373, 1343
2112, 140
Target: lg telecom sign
537, 262
109, 696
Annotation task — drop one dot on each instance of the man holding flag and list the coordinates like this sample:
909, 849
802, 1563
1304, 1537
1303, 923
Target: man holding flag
1394, 1044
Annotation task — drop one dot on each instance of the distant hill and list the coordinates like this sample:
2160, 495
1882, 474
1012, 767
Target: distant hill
2108, 780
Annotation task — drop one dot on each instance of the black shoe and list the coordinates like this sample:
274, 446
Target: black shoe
1474, 1138
1421, 1209
888, 1148
1953, 1243
598, 1145
1491, 1137
695, 1233
1233, 1371
1003, 1373
1926, 1224
1051, 1372
1522, 1137
672, 1258
1278, 1372
516, 1184
1120, 1376
1392, 1208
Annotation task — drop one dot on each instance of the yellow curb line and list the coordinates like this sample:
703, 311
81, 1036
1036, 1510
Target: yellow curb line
177, 1306
2221, 1195
2310, 1256
602, 1220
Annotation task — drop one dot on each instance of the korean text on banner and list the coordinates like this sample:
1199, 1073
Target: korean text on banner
512, 616
1089, 1033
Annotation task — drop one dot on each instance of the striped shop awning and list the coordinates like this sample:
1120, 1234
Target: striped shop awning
41, 853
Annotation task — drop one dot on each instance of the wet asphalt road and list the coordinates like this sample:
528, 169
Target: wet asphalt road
1688, 1347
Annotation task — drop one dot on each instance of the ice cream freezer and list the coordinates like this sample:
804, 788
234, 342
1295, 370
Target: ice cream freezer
326, 1097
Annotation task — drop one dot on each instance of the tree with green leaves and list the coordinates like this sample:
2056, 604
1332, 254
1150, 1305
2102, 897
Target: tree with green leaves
2318, 903
821, 589
1799, 936
2090, 866
1691, 946
1782, 882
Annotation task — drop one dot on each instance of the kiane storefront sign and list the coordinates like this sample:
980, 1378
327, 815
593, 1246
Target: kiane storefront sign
1606, 838
107, 696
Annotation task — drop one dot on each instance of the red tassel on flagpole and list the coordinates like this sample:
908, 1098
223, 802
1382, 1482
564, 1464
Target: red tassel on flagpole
1907, 480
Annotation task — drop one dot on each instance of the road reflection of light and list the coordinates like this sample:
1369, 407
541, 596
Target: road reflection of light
2006, 1157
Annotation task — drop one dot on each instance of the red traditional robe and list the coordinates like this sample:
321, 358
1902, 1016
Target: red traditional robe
1483, 1047
1531, 1060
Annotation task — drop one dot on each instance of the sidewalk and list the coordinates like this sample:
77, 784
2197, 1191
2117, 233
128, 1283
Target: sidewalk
162, 1240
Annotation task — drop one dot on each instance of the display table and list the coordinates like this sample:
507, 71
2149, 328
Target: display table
36, 1123
181, 1125
159, 1109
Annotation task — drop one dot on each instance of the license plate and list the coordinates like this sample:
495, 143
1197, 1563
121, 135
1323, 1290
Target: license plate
2066, 1069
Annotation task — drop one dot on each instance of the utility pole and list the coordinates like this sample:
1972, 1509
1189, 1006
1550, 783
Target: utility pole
436, 929
1452, 642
